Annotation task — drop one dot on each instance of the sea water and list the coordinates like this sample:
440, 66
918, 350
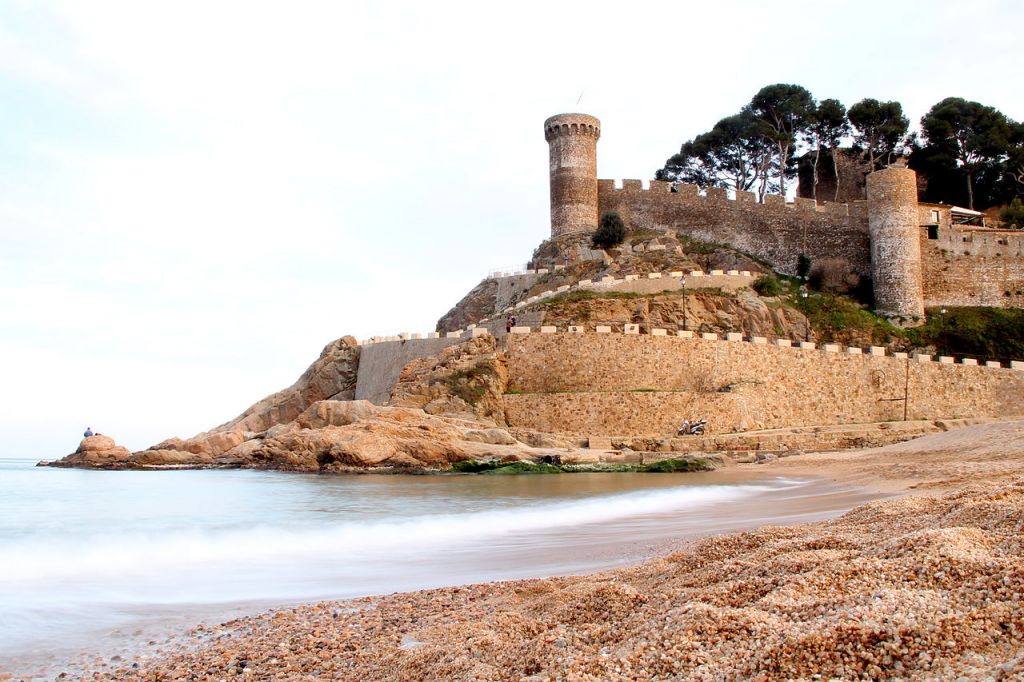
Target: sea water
98, 561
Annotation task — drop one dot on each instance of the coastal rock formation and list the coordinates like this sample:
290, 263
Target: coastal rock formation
467, 379
447, 408
96, 450
338, 435
331, 377
329, 435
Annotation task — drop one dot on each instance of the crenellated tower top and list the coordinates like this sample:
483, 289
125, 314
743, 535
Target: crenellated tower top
572, 124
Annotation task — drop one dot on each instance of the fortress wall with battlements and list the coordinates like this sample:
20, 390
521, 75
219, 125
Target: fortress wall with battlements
774, 231
381, 363
600, 384
970, 267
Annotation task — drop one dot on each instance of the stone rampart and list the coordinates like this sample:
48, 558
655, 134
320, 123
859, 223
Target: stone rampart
972, 267
381, 362
774, 231
617, 384
650, 283
645, 284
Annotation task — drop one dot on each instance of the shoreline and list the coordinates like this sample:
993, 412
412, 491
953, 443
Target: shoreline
162, 630
926, 584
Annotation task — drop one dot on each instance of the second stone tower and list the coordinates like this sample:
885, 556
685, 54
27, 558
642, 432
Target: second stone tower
572, 143
895, 243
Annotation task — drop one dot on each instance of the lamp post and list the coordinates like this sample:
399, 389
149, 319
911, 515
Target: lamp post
807, 323
682, 281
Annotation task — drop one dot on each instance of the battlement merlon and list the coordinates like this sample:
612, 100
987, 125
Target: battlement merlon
571, 124
685, 191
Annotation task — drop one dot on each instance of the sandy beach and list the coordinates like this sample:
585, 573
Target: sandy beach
925, 585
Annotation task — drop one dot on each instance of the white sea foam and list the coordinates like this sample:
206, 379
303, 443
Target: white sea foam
99, 560
123, 557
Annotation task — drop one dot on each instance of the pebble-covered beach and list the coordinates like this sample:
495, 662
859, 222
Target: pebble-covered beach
923, 586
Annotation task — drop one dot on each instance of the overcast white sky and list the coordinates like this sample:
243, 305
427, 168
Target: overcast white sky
195, 197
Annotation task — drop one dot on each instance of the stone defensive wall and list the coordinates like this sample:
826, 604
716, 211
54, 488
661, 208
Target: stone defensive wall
972, 267
618, 384
382, 360
650, 283
774, 231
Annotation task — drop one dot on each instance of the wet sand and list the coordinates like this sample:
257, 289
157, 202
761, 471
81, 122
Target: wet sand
928, 585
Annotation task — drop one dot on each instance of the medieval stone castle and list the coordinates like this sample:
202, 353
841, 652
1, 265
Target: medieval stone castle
915, 253
610, 380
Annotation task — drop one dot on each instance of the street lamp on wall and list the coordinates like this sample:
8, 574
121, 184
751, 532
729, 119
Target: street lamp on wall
807, 320
682, 281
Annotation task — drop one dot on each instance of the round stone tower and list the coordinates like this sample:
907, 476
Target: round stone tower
572, 142
893, 226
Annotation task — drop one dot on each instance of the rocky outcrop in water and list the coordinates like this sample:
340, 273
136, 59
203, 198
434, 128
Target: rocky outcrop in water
96, 451
329, 435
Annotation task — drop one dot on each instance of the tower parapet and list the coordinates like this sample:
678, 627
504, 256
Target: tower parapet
895, 242
572, 144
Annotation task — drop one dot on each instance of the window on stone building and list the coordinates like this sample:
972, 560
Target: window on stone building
933, 232
935, 217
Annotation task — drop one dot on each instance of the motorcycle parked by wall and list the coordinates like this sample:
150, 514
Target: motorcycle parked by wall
695, 428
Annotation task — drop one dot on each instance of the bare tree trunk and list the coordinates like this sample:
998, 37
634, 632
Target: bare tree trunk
814, 188
782, 169
835, 169
970, 192
762, 188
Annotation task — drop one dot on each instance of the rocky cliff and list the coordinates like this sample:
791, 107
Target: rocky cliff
447, 408
641, 253
451, 406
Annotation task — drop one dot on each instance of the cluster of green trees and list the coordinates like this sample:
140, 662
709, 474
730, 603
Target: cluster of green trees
972, 153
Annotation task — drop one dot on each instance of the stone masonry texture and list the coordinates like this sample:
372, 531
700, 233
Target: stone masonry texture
572, 144
774, 231
895, 242
601, 384
381, 363
973, 268
881, 237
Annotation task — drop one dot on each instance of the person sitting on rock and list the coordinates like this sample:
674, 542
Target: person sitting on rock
88, 432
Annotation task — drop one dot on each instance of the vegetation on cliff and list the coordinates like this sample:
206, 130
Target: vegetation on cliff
973, 332
841, 319
611, 232
471, 383
983, 333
